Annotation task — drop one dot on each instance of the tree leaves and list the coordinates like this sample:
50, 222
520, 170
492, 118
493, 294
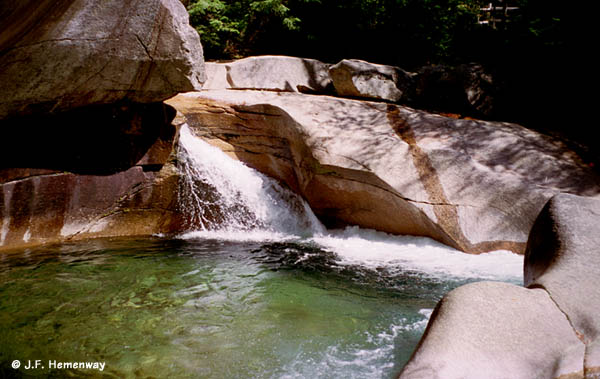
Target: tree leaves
408, 33
229, 29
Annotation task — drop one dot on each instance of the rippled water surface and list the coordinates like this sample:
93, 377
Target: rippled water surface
213, 308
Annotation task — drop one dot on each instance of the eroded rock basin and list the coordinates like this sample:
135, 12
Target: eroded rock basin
205, 305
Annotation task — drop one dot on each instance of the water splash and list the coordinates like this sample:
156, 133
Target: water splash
220, 194
370, 359
227, 200
376, 250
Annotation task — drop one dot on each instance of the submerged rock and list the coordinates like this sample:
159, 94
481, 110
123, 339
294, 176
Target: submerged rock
59, 55
477, 186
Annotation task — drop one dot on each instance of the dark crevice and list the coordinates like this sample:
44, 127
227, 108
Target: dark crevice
92, 140
241, 109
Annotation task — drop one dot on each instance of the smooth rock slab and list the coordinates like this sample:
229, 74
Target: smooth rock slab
58, 55
269, 72
64, 206
477, 186
547, 330
268, 139
497, 330
356, 78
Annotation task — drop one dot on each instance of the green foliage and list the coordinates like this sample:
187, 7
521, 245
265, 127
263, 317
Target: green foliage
330, 29
230, 28
211, 19
527, 55
408, 33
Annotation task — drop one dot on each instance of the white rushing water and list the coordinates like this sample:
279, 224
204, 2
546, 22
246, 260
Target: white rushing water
377, 249
225, 197
228, 200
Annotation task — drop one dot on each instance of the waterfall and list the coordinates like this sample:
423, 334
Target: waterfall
220, 194
225, 199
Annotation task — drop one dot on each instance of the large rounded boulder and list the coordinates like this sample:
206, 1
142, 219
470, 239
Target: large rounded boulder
548, 329
86, 144
58, 55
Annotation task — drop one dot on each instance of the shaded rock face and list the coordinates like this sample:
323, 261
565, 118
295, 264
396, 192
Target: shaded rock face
59, 55
86, 148
63, 206
119, 180
549, 329
563, 257
477, 186
274, 73
97, 139
356, 78
465, 89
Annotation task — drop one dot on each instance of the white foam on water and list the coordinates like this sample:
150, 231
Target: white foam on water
253, 207
226, 234
375, 249
421, 324
374, 361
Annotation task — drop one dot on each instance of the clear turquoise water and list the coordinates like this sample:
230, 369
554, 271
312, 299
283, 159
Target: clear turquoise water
209, 309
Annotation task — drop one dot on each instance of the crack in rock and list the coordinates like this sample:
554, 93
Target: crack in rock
580, 336
158, 67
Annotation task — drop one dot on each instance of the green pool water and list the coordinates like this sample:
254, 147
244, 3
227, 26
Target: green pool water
206, 308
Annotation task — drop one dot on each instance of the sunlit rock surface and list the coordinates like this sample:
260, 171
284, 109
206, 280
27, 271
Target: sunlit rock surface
497, 330
360, 79
59, 55
549, 329
269, 72
477, 186
563, 257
